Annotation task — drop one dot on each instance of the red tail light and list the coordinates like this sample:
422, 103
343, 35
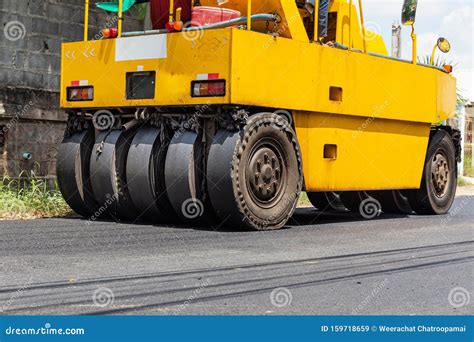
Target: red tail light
208, 88
80, 93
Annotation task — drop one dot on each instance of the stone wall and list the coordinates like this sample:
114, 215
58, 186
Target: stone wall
30, 61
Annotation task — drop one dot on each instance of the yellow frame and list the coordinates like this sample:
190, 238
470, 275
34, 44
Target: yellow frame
86, 21
379, 123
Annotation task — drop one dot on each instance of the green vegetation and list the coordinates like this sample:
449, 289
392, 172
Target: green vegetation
30, 197
468, 170
462, 182
304, 201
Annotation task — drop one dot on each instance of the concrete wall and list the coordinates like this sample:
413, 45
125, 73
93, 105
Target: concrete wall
30, 45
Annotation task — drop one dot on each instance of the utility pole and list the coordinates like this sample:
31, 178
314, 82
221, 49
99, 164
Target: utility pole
396, 40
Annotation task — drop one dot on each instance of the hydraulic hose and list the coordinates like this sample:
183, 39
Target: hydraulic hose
222, 24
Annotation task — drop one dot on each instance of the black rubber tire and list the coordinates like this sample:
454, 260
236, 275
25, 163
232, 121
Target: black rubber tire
353, 199
425, 201
231, 157
72, 170
392, 201
183, 177
326, 201
108, 174
146, 175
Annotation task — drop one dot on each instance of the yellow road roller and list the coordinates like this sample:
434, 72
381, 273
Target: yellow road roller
222, 112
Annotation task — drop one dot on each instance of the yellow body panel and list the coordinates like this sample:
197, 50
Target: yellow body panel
185, 59
371, 85
378, 111
371, 153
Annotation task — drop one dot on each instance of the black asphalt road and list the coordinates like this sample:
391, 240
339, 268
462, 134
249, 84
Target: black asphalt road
321, 264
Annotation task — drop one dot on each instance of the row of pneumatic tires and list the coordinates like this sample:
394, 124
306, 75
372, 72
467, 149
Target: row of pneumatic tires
249, 177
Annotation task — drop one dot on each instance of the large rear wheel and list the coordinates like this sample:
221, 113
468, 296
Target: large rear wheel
108, 174
439, 180
255, 175
73, 172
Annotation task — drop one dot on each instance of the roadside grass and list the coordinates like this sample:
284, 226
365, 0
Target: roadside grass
468, 169
303, 201
29, 197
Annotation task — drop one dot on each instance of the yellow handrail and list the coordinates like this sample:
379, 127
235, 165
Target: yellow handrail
86, 21
120, 18
316, 21
171, 12
363, 25
249, 15
350, 24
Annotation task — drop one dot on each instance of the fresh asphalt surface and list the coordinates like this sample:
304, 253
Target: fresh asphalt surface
328, 264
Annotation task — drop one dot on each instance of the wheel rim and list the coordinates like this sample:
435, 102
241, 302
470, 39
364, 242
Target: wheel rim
440, 174
266, 174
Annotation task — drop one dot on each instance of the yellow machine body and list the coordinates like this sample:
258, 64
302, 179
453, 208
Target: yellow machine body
362, 119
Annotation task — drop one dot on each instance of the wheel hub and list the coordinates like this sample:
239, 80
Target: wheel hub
440, 174
264, 174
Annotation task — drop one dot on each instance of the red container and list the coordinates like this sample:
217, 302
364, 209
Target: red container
205, 15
